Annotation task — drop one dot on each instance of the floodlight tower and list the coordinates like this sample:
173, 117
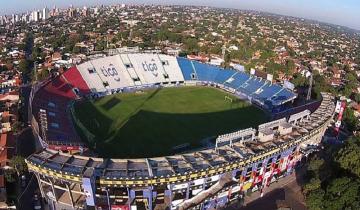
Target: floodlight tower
311, 79
223, 51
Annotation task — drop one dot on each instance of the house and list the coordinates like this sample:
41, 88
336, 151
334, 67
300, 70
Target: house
3, 194
56, 56
216, 61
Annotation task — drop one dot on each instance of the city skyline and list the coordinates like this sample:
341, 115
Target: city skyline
336, 12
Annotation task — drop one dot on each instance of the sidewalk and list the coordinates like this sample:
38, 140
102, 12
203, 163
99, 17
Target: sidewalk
286, 190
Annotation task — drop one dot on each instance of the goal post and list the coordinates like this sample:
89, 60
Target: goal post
227, 98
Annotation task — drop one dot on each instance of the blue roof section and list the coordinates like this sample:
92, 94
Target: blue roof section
254, 87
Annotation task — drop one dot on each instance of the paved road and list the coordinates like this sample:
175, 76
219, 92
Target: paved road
25, 147
286, 191
25, 93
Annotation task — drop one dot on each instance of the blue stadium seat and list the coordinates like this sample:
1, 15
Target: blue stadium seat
206, 72
253, 85
259, 89
186, 68
268, 91
282, 96
238, 80
224, 75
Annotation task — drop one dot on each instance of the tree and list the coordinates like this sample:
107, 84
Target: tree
343, 192
24, 66
348, 157
18, 164
290, 67
314, 184
299, 80
191, 45
3, 68
340, 188
10, 175
315, 199
216, 49
357, 97
350, 119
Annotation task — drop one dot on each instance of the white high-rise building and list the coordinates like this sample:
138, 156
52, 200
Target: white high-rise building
13, 18
96, 10
2, 22
45, 13
35, 16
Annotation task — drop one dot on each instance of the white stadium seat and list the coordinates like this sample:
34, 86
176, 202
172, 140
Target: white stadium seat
112, 73
105, 74
91, 77
150, 67
172, 67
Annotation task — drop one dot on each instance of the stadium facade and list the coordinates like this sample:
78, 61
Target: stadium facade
242, 161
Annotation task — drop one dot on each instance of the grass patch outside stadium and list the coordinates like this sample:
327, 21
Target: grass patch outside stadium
152, 123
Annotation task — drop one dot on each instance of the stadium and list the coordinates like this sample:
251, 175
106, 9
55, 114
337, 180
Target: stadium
161, 132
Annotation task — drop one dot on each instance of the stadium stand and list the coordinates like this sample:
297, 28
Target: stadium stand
281, 96
165, 69
73, 77
184, 181
129, 66
91, 77
150, 67
128, 72
252, 85
237, 80
256, 88
267, 91
187, 69
112, 73
224, 75
171, 67
52, 100
205, 72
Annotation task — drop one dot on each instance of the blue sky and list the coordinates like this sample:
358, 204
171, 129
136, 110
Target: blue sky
342, 12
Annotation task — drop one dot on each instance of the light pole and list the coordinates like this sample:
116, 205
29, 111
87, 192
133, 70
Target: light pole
35, 71
107, 196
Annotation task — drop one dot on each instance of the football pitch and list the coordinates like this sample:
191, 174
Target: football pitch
152, 123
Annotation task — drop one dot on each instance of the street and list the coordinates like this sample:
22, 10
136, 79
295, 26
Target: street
287, 191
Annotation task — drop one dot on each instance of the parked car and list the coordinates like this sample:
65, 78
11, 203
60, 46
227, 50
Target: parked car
23, 181
37, 203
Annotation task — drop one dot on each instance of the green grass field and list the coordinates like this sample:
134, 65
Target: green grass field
152, 123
